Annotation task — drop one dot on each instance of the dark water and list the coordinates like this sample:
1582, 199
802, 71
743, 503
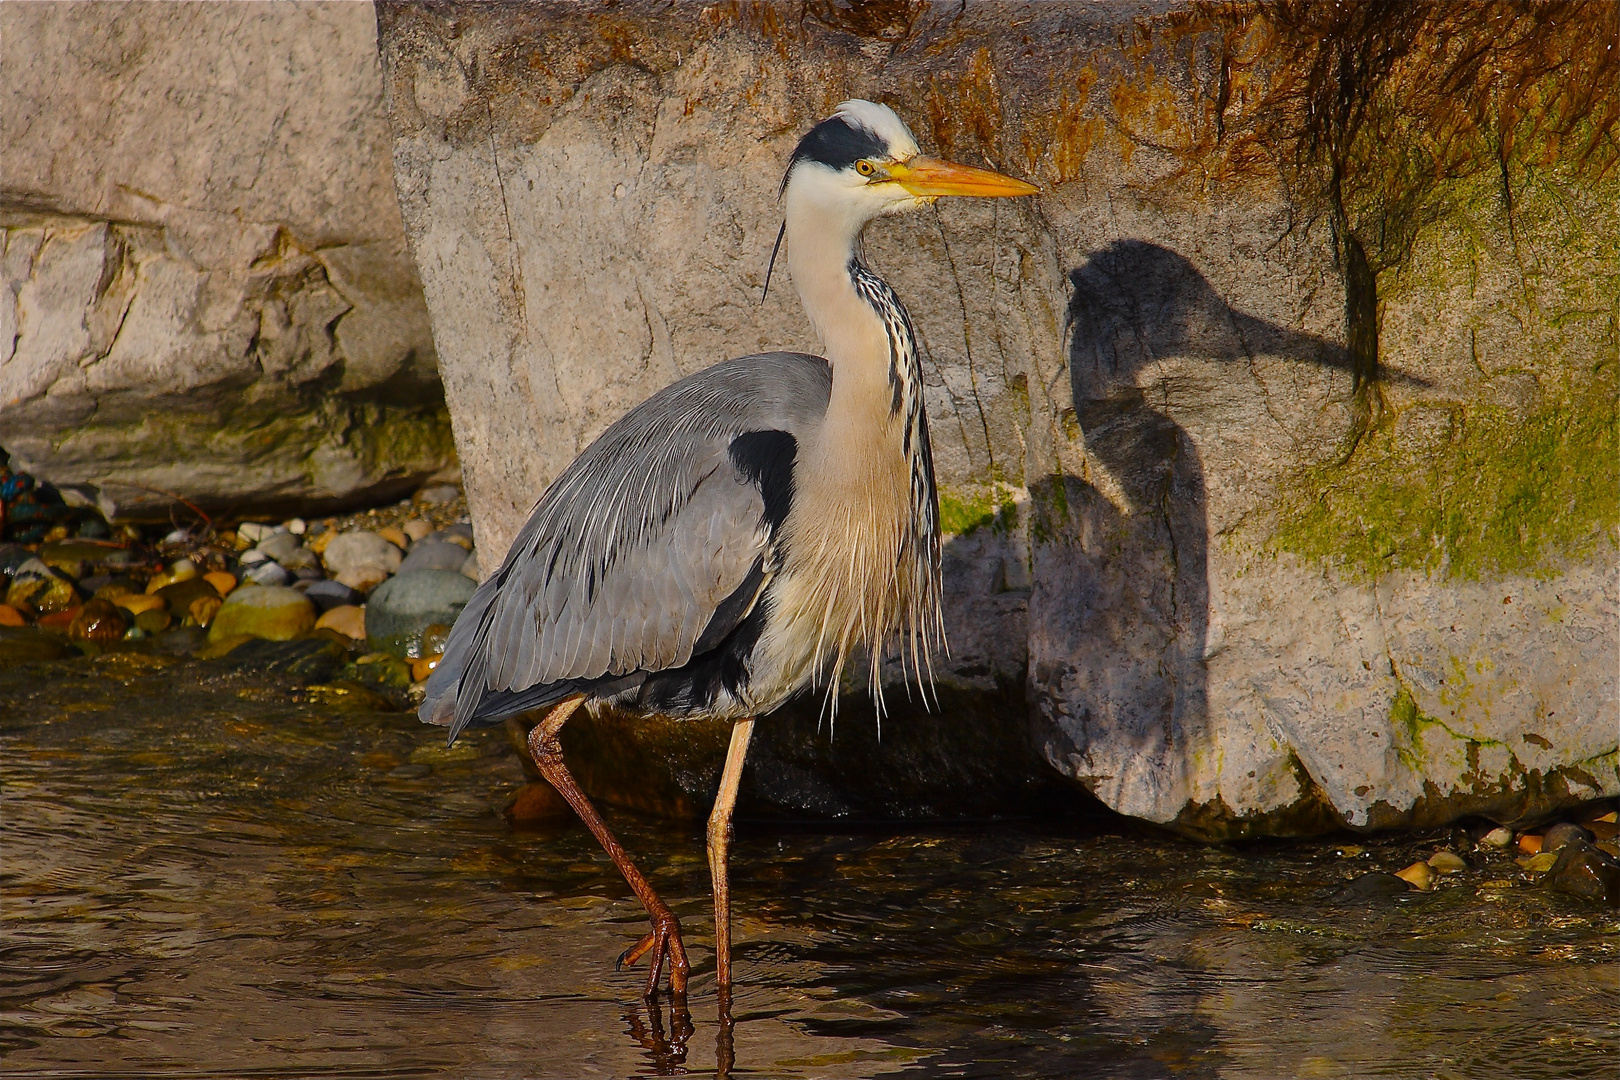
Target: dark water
203, 876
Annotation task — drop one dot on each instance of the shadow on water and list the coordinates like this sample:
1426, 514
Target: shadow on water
1123, 589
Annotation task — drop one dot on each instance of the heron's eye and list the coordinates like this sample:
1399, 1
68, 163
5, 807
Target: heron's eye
865, 168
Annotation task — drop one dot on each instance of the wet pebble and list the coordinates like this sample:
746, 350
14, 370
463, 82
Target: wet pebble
1419, 875
153, 620
357, 549
434, 555
222, 582
98, 621
326, 595
394, 536
10, 616
271, 613
438, 494
1583, 870
278, 546
268, 573
1561, 835
1530, 843
296, 526
362, 579
348, 620
537, 801
1374, 886
26, 645
416, 529
37, 590
1540, 862
1499, 837
401, 609
1447, 862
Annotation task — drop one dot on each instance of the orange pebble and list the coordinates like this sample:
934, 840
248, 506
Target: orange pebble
1530, 844
10, 616
222, 582
137, 604
59, 620
421, 669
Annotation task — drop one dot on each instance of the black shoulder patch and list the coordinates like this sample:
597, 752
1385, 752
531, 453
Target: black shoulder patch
837, 144
766, 459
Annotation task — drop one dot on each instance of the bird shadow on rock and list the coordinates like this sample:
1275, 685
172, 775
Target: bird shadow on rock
1119, 613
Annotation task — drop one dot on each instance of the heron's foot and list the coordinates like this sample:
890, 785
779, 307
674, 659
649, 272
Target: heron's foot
664, 939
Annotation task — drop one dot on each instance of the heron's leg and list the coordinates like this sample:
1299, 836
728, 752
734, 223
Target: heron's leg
720, 847
665, 936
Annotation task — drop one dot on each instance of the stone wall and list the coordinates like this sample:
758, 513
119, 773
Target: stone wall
1278, 452
205, 287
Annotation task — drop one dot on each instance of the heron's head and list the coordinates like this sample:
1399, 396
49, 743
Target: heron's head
862, 162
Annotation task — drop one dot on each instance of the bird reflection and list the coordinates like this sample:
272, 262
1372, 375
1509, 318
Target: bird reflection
645, 1024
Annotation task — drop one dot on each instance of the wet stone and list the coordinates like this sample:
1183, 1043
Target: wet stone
326, 595
13, 556
1583, 870
182, 594
401, 609
10, 616
1419, 875
1376, 885
434, 555
1447, 862
1499, 837
356, 549
26, 645
1562, 835
380, 669
537, 801
153, 620
347, 620
98, 621
275, 614
36, 590
362, 579
311, 659
416, 529
279, 546
268, 574
1540, 862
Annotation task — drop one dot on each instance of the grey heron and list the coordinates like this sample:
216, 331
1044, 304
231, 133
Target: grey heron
731, 540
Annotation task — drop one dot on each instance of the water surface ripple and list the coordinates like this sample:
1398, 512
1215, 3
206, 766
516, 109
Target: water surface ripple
204, 876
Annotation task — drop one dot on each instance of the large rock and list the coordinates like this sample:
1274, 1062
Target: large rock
204, 286
1290, 502
405, 605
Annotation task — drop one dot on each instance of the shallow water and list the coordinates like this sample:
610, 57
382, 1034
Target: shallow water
204, 876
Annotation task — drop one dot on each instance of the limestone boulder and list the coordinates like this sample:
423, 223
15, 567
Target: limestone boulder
1274, 503
204, 284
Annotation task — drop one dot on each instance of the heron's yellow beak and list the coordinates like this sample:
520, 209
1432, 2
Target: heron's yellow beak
927, 176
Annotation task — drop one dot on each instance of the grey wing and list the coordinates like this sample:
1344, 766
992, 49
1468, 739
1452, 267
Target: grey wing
629, 555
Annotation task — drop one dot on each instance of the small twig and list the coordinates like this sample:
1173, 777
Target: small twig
193, 507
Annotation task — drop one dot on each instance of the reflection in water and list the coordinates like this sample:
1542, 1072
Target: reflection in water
204, 877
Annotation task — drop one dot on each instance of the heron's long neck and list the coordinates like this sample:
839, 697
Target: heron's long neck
858, 339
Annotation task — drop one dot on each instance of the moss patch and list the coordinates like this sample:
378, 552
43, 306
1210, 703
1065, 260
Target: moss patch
1505, 493
961, 513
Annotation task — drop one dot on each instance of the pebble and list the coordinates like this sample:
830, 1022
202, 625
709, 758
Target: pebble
98, 621
416, 529
1586, 871
327, 594
381, 669
422, 668
1563, 834
395, 536
470, 567
253, 532
356, 549
1374, 886
296, 526
278, 546
268, 573
203, 609
1530, 843
401, 609
253, 558
1498, 837
299, 559
348, 620
13, 556
434, 555
1447, 862
1419, 875
222, 582
270, 612
438, 494
362, 579
10, 616
153, 620
1539, 863
38, 590
434, 638
456, 534
24, 644
135, 604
